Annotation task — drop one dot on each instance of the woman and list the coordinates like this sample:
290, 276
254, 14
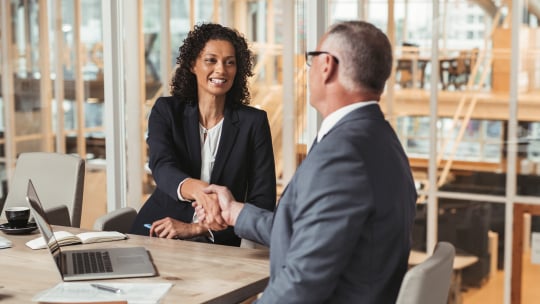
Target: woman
205, 133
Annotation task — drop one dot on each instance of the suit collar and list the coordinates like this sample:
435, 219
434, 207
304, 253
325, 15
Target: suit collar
371, 111
331, 120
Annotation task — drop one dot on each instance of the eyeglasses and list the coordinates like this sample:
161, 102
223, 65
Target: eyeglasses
310, 55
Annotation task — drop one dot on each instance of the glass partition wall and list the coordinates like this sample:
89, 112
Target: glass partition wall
463, 99
52, 84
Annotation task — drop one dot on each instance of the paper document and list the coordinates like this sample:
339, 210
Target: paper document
79, 292
4, 243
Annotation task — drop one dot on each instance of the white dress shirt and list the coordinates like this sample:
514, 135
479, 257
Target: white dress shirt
331, 120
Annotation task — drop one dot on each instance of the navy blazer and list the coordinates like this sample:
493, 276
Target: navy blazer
342, 229
244, 162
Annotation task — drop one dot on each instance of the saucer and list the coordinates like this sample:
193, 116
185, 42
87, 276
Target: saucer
22, 230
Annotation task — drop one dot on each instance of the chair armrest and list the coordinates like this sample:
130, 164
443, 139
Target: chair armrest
118, 220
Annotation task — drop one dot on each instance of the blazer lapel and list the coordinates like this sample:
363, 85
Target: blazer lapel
226, 142
193, 141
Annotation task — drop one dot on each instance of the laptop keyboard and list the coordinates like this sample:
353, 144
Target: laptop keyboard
91, 262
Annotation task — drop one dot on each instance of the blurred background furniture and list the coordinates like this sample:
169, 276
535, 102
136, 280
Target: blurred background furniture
461, 262
118, 220
466, 226
429, 281
455, 70
59, 181
410, 68
461, 67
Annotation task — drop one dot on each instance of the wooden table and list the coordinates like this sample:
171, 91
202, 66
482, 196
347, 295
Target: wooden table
200, 273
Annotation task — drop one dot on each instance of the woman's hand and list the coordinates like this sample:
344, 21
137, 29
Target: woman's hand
174, 229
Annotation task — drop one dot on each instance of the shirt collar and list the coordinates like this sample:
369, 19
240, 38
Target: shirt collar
331, 120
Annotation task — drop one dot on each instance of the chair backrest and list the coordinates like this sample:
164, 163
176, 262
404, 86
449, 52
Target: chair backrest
429, 281
59, 181
118, 220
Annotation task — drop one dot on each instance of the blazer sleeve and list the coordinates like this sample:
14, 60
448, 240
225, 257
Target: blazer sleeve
165, 158
254, 224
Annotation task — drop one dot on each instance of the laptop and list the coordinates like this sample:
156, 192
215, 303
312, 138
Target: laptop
90, 264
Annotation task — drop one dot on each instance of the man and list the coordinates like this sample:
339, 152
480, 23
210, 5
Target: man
341, 231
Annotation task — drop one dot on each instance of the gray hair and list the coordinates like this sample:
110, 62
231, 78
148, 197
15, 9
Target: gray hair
365, 55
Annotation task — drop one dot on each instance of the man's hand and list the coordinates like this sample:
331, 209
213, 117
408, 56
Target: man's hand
174, 229
229, 207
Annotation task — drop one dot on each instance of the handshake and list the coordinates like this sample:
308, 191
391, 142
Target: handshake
216, 208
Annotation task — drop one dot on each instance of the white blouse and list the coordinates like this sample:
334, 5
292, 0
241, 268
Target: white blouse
209, 147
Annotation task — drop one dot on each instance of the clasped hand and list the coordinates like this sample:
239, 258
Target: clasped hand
216, 216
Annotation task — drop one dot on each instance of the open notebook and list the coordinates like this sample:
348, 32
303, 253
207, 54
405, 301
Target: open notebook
67, 238
90, 264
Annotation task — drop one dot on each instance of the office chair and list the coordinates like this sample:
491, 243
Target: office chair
429, 281
59, 182
118, 220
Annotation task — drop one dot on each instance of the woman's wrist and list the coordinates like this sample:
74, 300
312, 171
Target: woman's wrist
190, 187
199, 230
202, 231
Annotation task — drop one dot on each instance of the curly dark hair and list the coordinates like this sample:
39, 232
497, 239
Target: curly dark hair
184, 82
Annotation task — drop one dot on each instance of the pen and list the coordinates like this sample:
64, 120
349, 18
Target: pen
106, 288
148, 226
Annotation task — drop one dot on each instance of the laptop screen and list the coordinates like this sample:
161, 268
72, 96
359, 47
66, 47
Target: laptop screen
43, 224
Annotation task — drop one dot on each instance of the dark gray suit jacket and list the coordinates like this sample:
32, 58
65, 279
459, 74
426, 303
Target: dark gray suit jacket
244, 161
342, 229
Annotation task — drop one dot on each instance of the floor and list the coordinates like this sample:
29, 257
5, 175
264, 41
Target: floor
94, 198
492, 291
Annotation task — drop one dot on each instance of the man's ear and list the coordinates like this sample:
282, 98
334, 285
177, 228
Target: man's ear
330, 70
